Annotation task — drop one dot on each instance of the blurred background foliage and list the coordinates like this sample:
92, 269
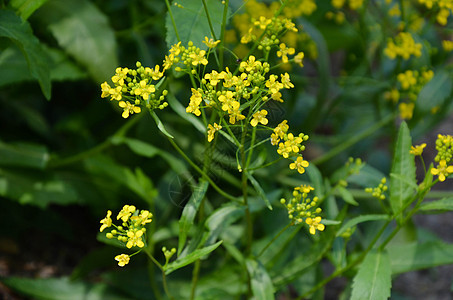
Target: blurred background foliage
66, 155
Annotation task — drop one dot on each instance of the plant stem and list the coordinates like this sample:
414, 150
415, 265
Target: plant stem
195, 274
222, 34
209, 20
172, 20
273, 240
353, 140
164, 277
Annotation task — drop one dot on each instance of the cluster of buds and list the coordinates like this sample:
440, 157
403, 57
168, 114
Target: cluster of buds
302, 208
379, 191
444, 147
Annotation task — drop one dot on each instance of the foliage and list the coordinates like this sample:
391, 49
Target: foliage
251, 142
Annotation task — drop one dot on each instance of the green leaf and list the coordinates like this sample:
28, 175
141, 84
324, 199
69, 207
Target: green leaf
444, 204
26, 8
434, 92
347, 196
181, 111
403, 168
83, 31
23, 155
160, 125
190, 258
20, 32
221, 218
316, 180
415, 256
360, 219
192, 23
189, 212
60, 289
261, 282
373, 280
260, 190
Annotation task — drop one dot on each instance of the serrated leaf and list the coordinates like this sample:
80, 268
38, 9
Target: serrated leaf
373, 280
347, 196
190, 258
20, 32
189, 212
261, 282
192, 23
260, 190
415, 256
403, 167
60, 289
26, 8
360, 219
83, 31
444, 204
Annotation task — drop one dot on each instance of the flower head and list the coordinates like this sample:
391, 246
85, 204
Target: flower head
259, 117
126, 212
210, 42
442, 171
106, 222
123, 259
417, 150
315, 224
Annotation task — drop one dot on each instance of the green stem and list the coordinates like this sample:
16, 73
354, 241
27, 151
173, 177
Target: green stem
273, 240
195, 274
97, 149
203, 174
172, 20
353, 140
222, 34
164, 277
209, 19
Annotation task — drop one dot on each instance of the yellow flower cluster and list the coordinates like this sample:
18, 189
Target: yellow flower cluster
290, 146
444, 147
353, 4
134, 88
403, 45
132, 230
300, 207
378, 192
190, 56
417, 150
442, 7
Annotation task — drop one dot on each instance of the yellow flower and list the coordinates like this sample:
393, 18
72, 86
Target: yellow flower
286, 82
123, 259
251, 64
273, 85
125, 213
105, 90
300, 164
212, 130
142, 219
447, 45
210, 42
406, 110
120, 75
198, 58
135, 239
315, 224
442, 170
417, 150
129, 109
298, 59
106, 222
284, 51
393, 95
259, 117
195, 101
407, 79
214, 77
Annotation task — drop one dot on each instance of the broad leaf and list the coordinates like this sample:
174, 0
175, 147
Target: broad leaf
360, 219
189, 212
438, 205
60, 289
192, 23
262, 286
190, 258
83, 31
415, 256
347, 196
26, 8
403, 168
373, 280
20, 32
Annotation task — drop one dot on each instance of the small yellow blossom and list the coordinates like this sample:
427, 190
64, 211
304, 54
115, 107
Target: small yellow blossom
447, 45
123, 259
212, 130
120, 75
403, 45
406, 110
298, 59
214, 77
286, 82
392, 95
125, 213
300, 164
107, 221
442, 171
284, 52
259, 117
135, 239
195, 101
417, 150
315, 224
210, 42
129, 109
198, 58
407, 79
